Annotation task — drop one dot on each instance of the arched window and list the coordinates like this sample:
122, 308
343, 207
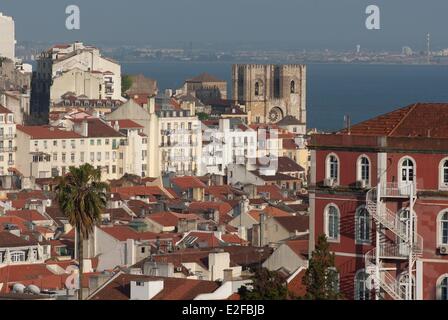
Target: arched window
361, 290
407, 170
403, 283
257, 88
363, 225
443, 228
332, 222
442, 287
17, 256
443, 176
364, 169
332, 167
293, 86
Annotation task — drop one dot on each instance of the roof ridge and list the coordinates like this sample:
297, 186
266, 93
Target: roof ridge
402, 119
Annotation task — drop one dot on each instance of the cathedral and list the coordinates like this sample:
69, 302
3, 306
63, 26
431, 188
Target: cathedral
271, 92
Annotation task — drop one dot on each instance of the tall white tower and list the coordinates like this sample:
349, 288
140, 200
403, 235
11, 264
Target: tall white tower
7, 37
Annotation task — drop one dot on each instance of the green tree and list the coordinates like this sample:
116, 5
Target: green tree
126, 83
82, 198
321, 277
267, 285
202, 116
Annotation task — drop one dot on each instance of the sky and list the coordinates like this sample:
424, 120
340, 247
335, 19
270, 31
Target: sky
302, 24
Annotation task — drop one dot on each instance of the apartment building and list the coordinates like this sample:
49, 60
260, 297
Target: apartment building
7, 140
47, 151
175, 142
75, 68
378, 192
7, 40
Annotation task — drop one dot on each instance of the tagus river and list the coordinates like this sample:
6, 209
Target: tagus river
333, 90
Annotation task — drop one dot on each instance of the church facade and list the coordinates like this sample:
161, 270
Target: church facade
271, 92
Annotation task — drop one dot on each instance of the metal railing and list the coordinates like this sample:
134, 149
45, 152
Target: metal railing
398, 190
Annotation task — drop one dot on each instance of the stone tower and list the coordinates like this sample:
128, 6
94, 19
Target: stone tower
271, 92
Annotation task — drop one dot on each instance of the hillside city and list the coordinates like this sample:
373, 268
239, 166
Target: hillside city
112, 189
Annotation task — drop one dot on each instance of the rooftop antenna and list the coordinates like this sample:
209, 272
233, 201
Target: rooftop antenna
347, 123
428, 44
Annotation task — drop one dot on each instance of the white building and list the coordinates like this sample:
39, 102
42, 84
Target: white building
74, 68
175, 136
7, 140
47, 151
228, 144
7, 39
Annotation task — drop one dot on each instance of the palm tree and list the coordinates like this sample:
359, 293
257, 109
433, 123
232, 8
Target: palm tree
82, 197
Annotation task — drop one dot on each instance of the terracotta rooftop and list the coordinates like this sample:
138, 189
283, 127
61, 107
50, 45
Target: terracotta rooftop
269, 211
4, 110
187, 182
299, 223
47, 132
99, 129
286, 164
168, 219
29, 215
173, 288
289, 121
126, 124
417, 120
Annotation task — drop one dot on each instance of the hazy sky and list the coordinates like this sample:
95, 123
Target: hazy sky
304, 24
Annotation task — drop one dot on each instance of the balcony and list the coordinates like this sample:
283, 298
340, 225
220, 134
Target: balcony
398, 190
8, 149
7, 136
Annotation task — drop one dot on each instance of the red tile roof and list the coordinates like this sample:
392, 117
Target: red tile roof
29, 215
269, 211
170, 219
4, 110
126, 124
97, 128
173, 288
142, 191
188, 182
122, 233
417, 120
47, 132
298, 223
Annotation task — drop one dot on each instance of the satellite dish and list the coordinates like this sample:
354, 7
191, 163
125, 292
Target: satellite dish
33, 289
18, 288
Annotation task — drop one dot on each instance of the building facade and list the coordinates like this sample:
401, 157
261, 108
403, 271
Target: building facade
7, 40
75, 68
378, 192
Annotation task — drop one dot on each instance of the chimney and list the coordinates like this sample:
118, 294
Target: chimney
151, 105
228, 275
145, 289
261, 235
217, 262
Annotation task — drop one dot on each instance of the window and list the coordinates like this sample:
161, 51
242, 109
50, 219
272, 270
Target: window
403, 285
45, 144
72, 157
82, 157
407, 171
92, 156
92, 142
332, 167
98, 156
63, 157
63, 144
442, 287
107, 142
332, 222
55, 143
443, 177
293, 87
361, 290
443, 228
17, 256
364, 169
257, 88
73, 144
98, 142
107, 155
362, 224
55, 157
